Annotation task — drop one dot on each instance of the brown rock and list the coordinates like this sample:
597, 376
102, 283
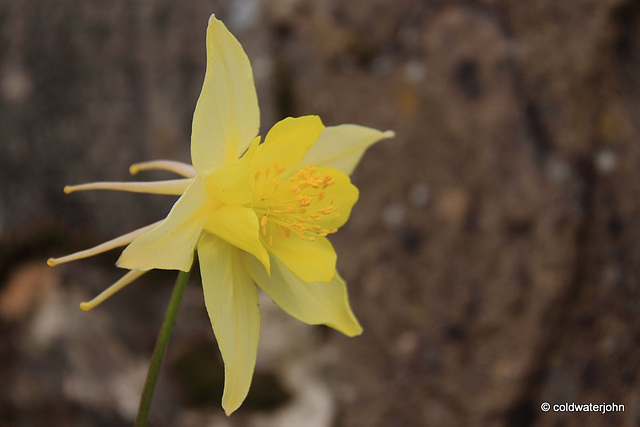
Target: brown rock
514, 281
24, 288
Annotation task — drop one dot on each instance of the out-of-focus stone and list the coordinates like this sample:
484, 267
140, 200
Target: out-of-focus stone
25, 288
514, 283
453, 206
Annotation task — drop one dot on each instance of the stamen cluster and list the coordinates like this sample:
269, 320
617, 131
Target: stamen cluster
297, 204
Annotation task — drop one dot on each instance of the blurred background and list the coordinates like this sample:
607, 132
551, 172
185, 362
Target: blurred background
493, 258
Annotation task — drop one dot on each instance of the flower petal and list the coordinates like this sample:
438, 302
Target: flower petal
226, 118
111, 290
230, 184
174, 187
238, 226
342, 146
285, 146
179, 168
311, 261
170, 246
231, 299
103, 247
313, 303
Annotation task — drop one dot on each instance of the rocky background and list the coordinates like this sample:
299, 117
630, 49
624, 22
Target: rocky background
493, 258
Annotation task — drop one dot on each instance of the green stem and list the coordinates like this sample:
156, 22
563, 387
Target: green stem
160, 348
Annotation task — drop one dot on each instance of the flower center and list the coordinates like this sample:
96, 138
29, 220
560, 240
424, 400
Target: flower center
297, 204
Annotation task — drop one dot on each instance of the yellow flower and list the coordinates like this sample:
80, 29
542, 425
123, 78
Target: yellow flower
255, 213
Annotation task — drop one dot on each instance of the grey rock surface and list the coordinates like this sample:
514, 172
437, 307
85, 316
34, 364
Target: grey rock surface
493, 257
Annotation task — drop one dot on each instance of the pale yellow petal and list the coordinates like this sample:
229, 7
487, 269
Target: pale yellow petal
111, 290
226, 118
231, 299
316, 303
173, 187
179, 168
311, 261
170, 245
238, 226
285, 146
341, 147
104, 247
231, 184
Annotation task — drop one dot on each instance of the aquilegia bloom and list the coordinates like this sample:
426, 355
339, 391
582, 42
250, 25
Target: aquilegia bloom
255, 213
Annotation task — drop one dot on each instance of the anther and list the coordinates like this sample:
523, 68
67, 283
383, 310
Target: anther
277, 168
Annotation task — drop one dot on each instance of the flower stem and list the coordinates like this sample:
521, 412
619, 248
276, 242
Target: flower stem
160, 348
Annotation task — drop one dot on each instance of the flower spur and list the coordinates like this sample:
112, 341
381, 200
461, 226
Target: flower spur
256, 213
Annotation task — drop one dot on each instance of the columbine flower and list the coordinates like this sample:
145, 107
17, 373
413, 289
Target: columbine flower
255, 213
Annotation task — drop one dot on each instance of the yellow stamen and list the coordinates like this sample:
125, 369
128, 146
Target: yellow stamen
294, 206
104, 247
172, 187
104, 295
180, 168
278, 169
